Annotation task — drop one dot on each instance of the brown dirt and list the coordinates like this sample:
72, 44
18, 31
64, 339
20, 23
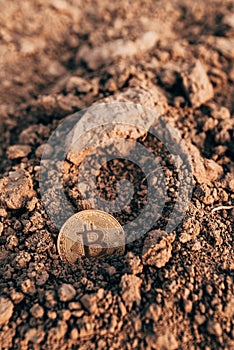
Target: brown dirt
167, 292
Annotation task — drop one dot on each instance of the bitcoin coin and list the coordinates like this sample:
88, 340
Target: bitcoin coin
91, 233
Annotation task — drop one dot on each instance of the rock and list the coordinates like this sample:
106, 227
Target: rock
6, 310
99, 56
157, 248
130, 286
37, 311
196, 84
66, 292
18, 151
213, 170
166, 341
16, 189
89, 301
200, 172
214, 328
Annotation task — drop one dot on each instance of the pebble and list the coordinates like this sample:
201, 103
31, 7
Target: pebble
89, 301
6, 310
37, 311
197, 85
214, 171
66, 292
214, 328
18, 151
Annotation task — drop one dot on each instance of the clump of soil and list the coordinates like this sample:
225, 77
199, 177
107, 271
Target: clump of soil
167, 291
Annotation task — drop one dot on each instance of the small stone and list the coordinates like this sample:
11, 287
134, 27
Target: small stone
213, 170
18, 151
65, 314
28, 287
74, 334
130, 286
66, 292
37, 311
78, 84
35, 335
157, 248
3, 213
200, 319
52, 314
188, 305
6, 310
214, 328
44, 150
196, 84
89, 301
221, 113
32, 204
17, 297
42, 277
74, 305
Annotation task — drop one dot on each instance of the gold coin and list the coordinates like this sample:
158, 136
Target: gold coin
91, 233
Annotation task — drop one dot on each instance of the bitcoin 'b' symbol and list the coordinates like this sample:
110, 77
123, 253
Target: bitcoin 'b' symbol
94, 243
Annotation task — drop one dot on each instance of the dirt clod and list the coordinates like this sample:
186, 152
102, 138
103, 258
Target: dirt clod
130, 286
16, 189
66, 292
196, 84
6, 310
157, 248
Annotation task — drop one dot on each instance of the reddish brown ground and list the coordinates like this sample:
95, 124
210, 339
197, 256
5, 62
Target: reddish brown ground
58, 57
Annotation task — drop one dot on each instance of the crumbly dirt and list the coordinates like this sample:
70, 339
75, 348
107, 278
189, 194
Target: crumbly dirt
167, 292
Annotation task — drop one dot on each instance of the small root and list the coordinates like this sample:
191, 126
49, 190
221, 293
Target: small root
222, 207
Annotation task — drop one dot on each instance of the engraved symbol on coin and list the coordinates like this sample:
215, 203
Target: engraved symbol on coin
91, 233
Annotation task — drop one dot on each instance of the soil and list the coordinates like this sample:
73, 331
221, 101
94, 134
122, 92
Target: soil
167, 291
